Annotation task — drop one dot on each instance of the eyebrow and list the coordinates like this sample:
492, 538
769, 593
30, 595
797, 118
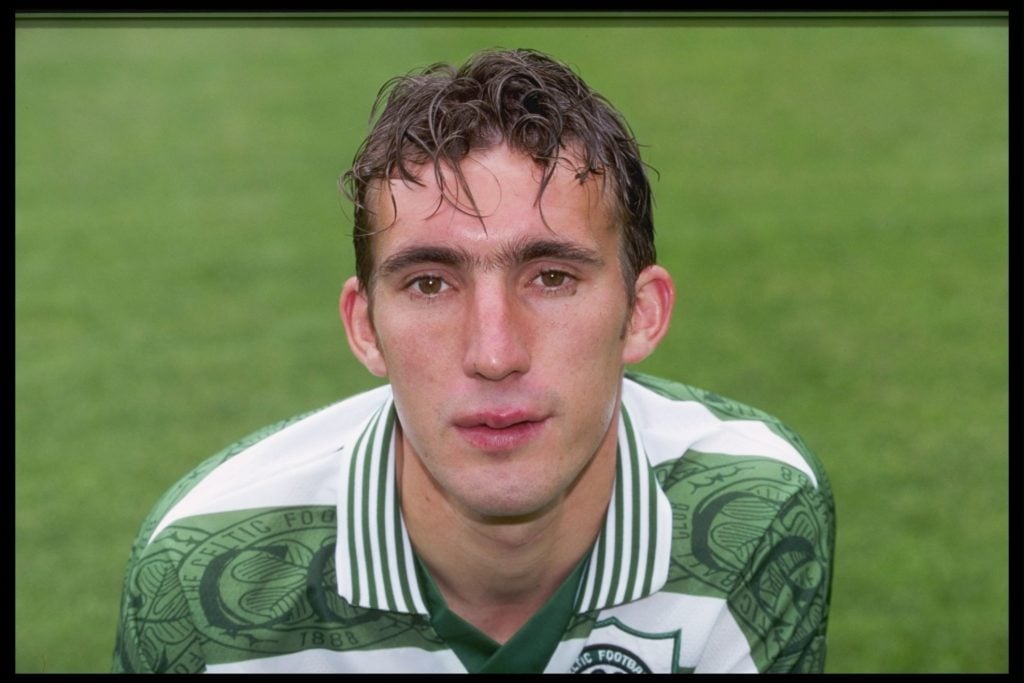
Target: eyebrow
415, 256
514, 253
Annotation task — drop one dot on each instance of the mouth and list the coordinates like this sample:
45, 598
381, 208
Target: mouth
498, 432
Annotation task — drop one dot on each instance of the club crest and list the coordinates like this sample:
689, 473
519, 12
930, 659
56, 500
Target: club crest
616, 648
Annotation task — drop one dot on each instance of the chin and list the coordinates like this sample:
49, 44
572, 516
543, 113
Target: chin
506, 506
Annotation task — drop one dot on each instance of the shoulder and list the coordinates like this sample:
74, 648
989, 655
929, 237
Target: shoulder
741, 484
729, 471
285, 463
261, 512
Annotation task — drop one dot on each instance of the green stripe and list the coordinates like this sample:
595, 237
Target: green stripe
619, 510
403, 568
634, 463
598, 569
371, 588
652, 530
382, 488
352, 554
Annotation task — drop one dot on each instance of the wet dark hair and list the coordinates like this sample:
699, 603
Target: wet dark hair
522, 98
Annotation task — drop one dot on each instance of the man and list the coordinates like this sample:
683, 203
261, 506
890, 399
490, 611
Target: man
511, 501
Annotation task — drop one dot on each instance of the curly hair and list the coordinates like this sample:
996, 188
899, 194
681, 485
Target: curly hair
522, 98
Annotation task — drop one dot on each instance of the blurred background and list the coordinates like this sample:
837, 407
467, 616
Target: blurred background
831, 196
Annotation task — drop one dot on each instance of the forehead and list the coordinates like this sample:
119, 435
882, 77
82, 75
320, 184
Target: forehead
500, 199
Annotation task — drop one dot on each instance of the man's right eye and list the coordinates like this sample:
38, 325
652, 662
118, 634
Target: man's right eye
429, 285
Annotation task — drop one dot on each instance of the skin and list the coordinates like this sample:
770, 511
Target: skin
504, 342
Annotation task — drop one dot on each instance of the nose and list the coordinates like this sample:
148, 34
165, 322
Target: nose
496, 333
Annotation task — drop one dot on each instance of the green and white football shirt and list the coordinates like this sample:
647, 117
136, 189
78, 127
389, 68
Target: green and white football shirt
287, 552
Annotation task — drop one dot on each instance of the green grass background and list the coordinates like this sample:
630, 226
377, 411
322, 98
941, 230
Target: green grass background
832, 200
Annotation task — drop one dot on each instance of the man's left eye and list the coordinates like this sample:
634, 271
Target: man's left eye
553, 278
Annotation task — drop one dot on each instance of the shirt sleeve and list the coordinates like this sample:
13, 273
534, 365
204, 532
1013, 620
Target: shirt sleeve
781, 599
155, 632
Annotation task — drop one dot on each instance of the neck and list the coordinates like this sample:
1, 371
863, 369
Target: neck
497, 572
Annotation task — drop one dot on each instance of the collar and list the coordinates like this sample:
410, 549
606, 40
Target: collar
376, 567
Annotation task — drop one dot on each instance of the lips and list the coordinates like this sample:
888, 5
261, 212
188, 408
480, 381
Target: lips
499, 431
497, 419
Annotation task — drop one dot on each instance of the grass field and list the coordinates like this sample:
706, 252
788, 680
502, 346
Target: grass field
832, 200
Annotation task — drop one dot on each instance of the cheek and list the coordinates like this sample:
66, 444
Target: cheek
419, 352
589, 363
591, 334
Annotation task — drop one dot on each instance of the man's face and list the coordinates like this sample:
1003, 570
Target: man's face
504, 342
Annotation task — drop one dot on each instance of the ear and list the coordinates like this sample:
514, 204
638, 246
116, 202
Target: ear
652, 311
354, 307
